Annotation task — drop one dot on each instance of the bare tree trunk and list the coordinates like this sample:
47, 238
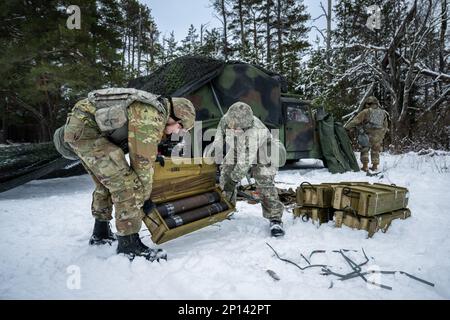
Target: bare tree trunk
124, 49
152, 49
255, 41
225, 27
280, 38
268, 36
139, 42
133, 49
201, 35
243, 37
328, 56
129, 51
444, 15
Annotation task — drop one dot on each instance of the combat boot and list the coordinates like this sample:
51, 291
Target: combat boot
102, 234
276, 228
374, 167
132, 246
365, 167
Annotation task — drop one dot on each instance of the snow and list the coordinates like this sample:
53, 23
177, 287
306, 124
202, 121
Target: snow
46, 226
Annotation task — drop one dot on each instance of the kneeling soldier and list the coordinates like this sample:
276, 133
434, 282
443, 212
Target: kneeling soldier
98, 131
247, 136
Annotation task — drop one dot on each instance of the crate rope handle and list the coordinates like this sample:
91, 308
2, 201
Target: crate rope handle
307, 183
346, 191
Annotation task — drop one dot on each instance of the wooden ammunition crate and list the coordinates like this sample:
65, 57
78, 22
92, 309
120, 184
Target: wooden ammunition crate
177, 180
314, 195
320, 215
371, 199
370, 224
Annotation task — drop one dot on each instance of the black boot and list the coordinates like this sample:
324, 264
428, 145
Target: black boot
132, 246
276, 228
102, 234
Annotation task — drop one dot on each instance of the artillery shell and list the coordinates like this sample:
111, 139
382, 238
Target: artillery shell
177, 220
178, 206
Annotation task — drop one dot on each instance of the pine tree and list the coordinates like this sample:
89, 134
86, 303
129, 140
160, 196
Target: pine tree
239, 25
290, 37
221, 7
191, 44
171, 47
212, 44
46, 67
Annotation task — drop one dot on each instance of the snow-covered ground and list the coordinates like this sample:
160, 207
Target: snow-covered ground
45, 227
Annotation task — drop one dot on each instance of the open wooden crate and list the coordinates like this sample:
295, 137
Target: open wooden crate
178, 180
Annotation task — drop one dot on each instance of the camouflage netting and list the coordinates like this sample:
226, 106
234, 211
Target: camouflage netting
188, 73
179, 76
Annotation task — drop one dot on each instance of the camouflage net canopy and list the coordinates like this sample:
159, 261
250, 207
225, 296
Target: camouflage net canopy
188, 73
179, 76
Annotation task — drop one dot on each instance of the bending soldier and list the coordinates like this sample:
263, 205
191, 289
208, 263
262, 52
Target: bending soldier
374, 122
246, 137
97, 130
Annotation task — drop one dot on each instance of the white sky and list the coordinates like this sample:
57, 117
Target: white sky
178, 15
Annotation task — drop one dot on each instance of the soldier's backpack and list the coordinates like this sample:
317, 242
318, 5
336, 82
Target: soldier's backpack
111, 106
376, 118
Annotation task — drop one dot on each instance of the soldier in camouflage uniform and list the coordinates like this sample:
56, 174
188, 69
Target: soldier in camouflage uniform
246, 135
98, 129
374, 121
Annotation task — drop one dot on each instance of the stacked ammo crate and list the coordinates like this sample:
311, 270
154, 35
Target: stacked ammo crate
358, 205
314, 202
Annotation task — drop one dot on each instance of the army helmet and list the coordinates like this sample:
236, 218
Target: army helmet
63, 147
184, 110
371, 100
239, 115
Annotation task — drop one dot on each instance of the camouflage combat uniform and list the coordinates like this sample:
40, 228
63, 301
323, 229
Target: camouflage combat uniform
116, 182
374, 121
242, 157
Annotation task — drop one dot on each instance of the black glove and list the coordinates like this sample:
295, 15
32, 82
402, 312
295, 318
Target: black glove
160, 159
148, 206
230, 185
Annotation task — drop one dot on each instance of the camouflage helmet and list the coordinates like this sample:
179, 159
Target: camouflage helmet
184, 110
372, 100
63, 147
239, 115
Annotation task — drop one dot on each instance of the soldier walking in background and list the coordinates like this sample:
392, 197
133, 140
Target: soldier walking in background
246, 135
373, 123
98, 129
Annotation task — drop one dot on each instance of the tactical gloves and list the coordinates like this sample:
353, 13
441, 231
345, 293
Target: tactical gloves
148, 206
160, 159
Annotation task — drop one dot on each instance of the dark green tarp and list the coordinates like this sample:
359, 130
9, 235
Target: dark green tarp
336, 147
345, 146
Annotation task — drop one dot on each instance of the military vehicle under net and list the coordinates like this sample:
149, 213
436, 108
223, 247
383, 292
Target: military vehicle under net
212, 86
